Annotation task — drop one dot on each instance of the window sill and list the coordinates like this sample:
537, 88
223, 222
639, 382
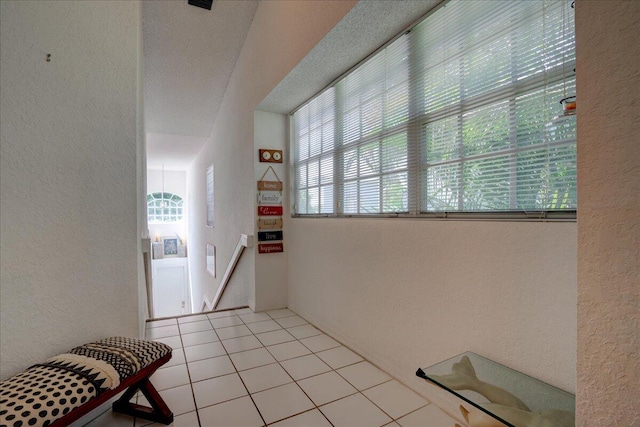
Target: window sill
551, 216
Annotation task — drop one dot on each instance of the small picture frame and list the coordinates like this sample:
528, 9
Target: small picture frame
157, 250
210, 195
170, 246
211, 259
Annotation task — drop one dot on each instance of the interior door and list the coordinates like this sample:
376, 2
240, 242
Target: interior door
170, 294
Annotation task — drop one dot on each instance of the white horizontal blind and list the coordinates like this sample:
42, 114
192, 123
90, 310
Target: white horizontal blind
314, 147
373, 153
461, 114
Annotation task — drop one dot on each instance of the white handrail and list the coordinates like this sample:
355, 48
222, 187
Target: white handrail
146, 260
244, 242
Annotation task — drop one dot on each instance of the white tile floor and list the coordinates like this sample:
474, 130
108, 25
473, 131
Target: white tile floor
245, 369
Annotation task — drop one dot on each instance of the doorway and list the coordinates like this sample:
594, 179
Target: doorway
167, 223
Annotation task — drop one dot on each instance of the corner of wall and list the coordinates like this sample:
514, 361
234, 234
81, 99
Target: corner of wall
270, 133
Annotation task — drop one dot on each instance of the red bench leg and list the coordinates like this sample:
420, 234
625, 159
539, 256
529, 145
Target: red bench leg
159, 412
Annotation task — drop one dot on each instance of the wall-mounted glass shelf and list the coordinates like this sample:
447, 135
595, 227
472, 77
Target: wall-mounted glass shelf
509, 397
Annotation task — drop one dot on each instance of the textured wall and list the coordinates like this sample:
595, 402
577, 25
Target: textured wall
68, 183
411, 293
608, 73
141, 161
282, 33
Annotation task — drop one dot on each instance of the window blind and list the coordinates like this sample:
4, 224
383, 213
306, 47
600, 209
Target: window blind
459, 114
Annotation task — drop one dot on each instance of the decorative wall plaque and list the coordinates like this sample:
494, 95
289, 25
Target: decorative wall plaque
270, 207
270, 185
270, 156
270, 224
267, 236
270, 198
270, 210
269, 248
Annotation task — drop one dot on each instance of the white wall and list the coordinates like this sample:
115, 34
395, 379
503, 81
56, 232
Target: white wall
68, 186
141, 161
608, 370
411, 293
281, 35
175, 182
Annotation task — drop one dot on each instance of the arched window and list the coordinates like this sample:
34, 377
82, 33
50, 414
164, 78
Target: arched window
164, 207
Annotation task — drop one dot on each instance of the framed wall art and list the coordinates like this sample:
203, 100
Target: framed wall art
170, 246
210, 195
211, 259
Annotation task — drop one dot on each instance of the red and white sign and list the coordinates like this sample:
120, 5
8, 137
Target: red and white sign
270, 210
270, 248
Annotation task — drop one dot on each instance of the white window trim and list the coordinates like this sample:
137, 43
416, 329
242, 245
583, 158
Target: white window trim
414, 170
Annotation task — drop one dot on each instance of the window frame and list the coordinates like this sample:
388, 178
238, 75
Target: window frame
174, 202
411, 128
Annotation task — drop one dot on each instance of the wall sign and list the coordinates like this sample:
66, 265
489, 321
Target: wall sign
270, 207
270, 210
270, 185
270, 156
270, 198
270, 224
267, 236
269, 248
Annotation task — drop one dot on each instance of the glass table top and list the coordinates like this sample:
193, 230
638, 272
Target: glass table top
509, 396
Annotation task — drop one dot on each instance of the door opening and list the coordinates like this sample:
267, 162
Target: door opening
167, 222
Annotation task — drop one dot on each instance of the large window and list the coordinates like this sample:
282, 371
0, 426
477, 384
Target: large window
461, 114
164, 208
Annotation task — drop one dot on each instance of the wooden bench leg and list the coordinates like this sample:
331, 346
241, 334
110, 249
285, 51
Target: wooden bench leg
159, 412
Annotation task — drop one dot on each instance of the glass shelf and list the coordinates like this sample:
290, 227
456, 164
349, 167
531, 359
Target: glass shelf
511, 392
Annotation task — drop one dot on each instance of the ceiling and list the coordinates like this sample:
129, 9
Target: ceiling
190, 53
352, 40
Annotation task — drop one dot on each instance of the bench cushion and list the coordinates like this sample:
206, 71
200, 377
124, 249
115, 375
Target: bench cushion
49, 390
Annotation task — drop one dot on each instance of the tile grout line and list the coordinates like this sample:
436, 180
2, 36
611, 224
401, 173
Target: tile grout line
335, 370
186, 365
315, 407
279, 362
361, 391
264, 422
276, 362
237, 372
393, 419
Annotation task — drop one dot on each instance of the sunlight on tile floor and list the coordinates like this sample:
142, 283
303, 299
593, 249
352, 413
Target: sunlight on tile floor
245, 369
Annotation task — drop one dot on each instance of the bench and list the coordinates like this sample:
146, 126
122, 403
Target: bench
68, 386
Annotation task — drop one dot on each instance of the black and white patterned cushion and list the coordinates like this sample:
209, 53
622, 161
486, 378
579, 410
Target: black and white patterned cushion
144, 352
41, 395
50, 390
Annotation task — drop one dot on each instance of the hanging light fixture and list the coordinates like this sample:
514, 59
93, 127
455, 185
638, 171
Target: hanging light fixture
568, 105
568, 102
163, 203
562, 126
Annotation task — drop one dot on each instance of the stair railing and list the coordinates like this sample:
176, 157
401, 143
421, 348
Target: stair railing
244, 242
